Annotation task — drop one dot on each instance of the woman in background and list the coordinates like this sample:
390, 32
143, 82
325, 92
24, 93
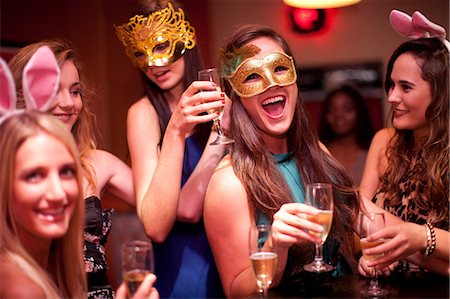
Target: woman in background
102, 171
407, 172
346, 129
169, 135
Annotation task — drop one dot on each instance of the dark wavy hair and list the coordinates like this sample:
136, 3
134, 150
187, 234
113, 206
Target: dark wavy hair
193, 63
432, 154
254, 165
363, 127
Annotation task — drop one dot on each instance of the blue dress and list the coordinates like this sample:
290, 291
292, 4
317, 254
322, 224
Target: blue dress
184, 263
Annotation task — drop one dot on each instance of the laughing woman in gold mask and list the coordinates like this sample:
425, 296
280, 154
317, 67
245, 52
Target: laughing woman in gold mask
168, 136
262, 181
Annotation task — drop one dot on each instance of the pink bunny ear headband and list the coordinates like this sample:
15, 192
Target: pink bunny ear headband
40, 82
416, 26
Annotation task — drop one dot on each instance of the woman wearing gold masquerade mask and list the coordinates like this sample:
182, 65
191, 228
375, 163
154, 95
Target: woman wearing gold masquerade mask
275, 143
168, 134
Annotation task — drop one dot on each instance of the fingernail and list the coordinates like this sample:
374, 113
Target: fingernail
223, 101
213, 84
222, 95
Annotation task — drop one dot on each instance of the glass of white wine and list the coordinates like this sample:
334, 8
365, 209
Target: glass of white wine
263, 259
137, 262
212, 74
369, 224
320, 196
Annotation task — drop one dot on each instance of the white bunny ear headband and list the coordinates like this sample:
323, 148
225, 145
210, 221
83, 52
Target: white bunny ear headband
416, 26
40, 81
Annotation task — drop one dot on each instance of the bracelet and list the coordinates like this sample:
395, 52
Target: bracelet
431, 239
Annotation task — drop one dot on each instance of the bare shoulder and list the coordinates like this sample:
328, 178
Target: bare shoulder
15, 283
142, 123
225, 190
142, 108
105, 158
382, 137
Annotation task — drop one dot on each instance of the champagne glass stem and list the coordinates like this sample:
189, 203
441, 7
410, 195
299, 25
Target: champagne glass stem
319, 254
374, 287
218, 126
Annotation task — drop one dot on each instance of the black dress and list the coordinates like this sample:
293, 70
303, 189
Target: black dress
96, 230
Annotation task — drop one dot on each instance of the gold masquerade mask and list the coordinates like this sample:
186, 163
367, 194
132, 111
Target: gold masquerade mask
255, 75
156, 40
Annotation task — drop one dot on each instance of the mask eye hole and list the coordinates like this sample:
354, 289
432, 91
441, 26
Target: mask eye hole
251, 78
139, 55
280, 69
161, 48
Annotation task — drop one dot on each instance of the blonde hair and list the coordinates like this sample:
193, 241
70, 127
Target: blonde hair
84, 129
64, 276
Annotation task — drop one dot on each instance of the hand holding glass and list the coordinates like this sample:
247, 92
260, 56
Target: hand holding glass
137, 262
369, 224
263, 259
212, 75
320, 196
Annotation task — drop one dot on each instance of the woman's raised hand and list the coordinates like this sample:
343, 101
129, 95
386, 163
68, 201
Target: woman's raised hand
193, 107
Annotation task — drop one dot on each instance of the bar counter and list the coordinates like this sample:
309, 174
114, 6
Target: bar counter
399, 286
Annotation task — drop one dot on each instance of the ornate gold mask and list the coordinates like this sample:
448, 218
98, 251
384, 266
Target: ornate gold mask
255, 75
156, 40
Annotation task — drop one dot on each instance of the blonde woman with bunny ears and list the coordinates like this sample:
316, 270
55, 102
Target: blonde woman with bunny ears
42, 210
102, 171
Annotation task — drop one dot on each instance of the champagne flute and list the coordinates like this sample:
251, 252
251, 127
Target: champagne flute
369, 224
137, 262
320, 196
263, 259
212, 74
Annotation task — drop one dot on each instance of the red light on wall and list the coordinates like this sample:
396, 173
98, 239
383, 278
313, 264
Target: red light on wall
307, 20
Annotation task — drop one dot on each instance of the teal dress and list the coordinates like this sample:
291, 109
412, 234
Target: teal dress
301, 255
184, 263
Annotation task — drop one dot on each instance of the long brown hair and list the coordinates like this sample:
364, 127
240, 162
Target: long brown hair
431, 153
252, 160
84, 129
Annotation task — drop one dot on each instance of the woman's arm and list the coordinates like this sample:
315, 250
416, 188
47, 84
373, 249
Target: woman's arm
227, 221
157, 174
113, 176
406, 240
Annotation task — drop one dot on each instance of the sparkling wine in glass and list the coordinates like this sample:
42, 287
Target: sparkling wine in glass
369, 224
263, 259
320, 196
137, 262
212, 74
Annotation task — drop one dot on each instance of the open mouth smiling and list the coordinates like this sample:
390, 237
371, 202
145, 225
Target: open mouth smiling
274, 106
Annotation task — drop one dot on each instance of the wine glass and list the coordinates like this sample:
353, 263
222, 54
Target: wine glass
137, 262
320, 196
263, 259
212, 74
369, 224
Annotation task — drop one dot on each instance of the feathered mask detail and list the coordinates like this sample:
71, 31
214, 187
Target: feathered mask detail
230, 60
